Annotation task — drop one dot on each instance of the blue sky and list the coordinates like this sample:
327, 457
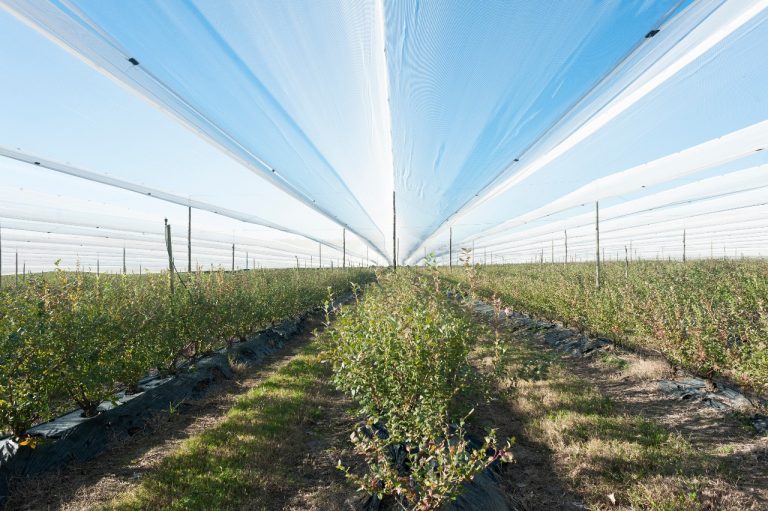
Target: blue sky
464, 89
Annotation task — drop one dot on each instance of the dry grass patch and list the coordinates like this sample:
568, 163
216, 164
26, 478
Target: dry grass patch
611, 457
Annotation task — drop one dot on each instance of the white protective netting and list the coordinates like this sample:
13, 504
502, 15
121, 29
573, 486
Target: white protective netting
499, 123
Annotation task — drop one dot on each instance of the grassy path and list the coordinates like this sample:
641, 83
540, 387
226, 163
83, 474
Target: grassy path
276, 448
591, 433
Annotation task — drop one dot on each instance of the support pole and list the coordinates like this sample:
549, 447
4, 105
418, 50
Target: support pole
320, 253
597, 245
169, 247
394, 231
343, 248
124, 267
626, 262
97, 267
17, 269
1, 256
233, 257
683, 245
552, 255
565, 260
450, 248
297, 262
246, 259
189, 239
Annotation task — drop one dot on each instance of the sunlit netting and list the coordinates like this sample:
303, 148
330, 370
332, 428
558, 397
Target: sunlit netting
286, 130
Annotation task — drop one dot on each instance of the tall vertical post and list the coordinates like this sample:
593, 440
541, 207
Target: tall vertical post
17, 269
1, 256
626, 262
97, 267
24, 272
320, 253
565, 259
394, 231
124, 266
297, 262
425, 256
246, 259
485, 257
233, 257
189, 239
367, 263
169, 247
552, 255
450, 248
597, 244
343, 248
683, 245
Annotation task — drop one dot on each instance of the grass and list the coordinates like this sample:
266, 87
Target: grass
612, 361
610, 457
249, 460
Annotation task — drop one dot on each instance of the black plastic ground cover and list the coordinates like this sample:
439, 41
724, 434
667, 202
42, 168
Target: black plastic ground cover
482, 493
72, 438
720, 396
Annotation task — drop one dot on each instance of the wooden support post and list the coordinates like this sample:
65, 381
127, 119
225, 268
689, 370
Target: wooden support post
626, 262
683, 245
189, 239
565, 259
169, 247
597, 245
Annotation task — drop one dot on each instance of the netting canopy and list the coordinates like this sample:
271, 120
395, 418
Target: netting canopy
293, 131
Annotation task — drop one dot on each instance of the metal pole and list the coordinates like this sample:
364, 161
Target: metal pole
233, 257
597, 245
450, 248
344, 248
124, 267
17, 268
683, 245
626, 262
565, 260
297, 262
169, 246
320, 253
246, 259
394, 231
553, 251
189, 240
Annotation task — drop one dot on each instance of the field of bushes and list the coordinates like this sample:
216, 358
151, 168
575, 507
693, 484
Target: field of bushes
76, 338
710, 316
